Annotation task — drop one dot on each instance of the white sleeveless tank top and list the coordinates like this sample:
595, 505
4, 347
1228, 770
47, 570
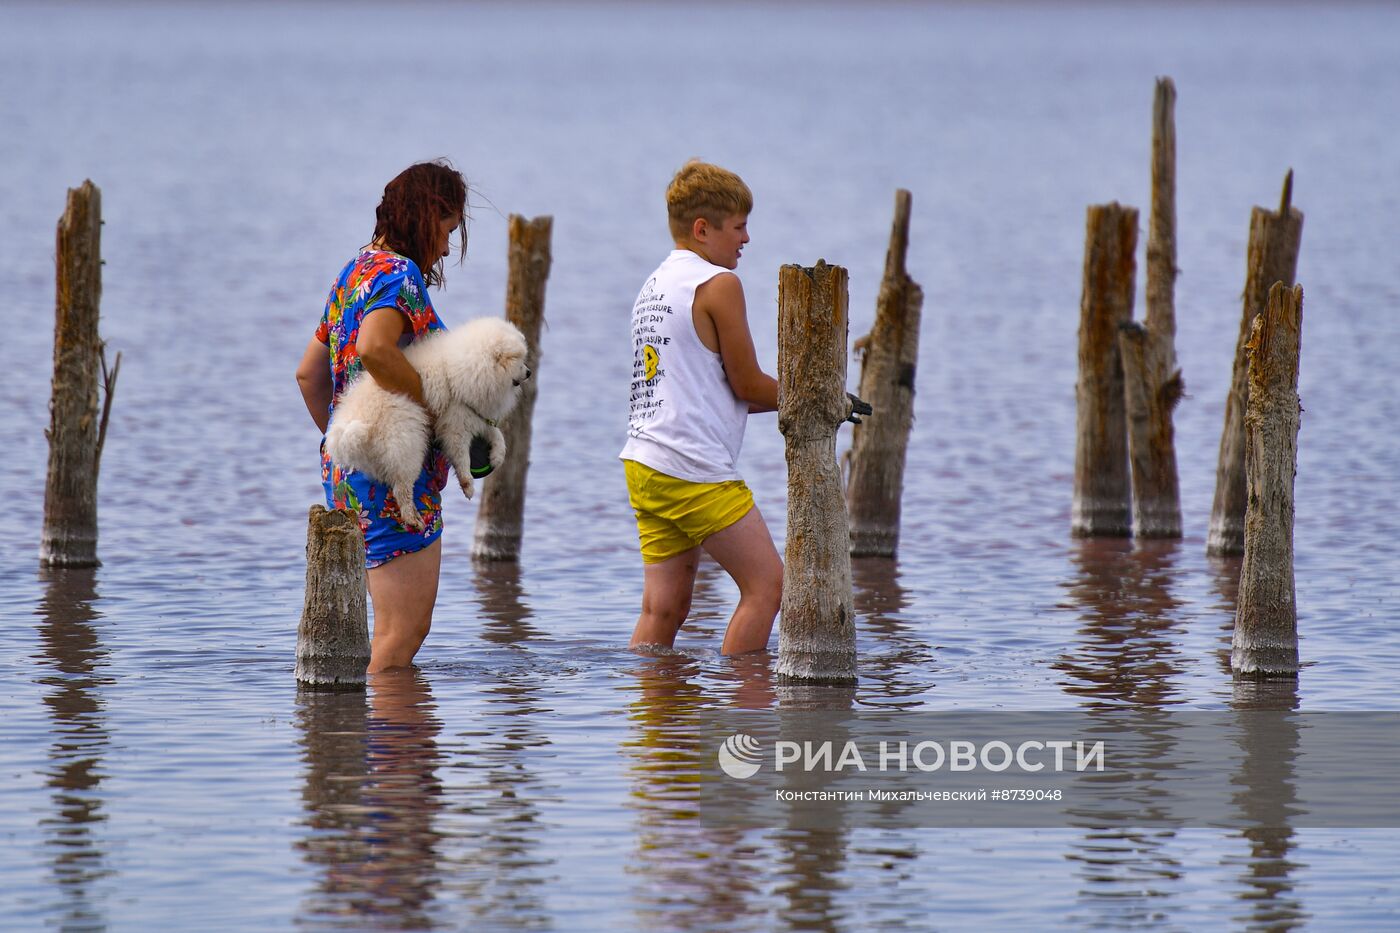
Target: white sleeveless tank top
685, 419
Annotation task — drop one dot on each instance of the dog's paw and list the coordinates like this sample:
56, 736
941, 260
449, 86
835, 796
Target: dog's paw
408, 515
468, 487
479, 454
497, 441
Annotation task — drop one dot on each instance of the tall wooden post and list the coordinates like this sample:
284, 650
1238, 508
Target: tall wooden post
1152, 381
500, 518
1274, 242
888, 363
1266, 621
77, 429
1102, 494
817, 635
333, 638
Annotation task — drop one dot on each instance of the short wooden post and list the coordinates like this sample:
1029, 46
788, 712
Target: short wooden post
1152, 381
500, 518
333, 638
1274, 242
77, 429
1102, 493
889, 359
1266, 621
817, 634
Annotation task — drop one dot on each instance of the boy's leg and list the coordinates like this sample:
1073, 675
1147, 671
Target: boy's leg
745, 550
666, 590
403, 592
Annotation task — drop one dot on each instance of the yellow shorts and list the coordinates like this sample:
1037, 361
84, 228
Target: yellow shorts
675, 515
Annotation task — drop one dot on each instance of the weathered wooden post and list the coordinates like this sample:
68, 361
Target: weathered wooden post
817, 634
889, 359
1274, 242
333, 638
1102, 493
500, 518
1266, 621
1152, 381
77, 430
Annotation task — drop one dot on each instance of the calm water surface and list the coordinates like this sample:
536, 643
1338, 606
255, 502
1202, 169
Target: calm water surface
160, 771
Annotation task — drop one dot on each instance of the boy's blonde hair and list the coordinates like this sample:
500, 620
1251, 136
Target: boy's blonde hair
704, 190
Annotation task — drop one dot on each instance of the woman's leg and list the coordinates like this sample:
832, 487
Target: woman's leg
403, 592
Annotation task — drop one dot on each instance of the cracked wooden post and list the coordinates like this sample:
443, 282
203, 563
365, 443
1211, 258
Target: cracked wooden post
1152, 381
817, 634
1102, 491
1274, 242
333, 638
1266, 620
889, 356
500, 518
77, 428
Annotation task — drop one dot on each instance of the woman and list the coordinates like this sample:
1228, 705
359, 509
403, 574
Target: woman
378, 305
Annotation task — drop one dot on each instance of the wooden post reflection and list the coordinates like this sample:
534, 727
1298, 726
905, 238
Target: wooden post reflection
1127, 643
372, 798
74, 654
1125, 658
506, 615
902, 671
813, 861
495, 868
1265, 800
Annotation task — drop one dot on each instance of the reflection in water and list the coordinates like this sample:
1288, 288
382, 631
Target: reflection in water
1127, 652
879, 599
1227, 585
507, 617
372, 797
813, 861
497, 827
75, 656
1126, 656
691, 876
1265, 799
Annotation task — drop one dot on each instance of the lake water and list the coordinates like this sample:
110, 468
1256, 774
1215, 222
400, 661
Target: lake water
160, 771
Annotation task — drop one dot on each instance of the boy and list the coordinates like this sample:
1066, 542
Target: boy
695, 381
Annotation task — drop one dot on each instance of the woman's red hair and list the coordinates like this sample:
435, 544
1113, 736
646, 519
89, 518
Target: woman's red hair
415, 203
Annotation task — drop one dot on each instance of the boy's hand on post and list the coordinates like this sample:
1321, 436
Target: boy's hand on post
858, 407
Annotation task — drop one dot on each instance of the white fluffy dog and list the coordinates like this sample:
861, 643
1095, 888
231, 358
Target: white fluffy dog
471, 380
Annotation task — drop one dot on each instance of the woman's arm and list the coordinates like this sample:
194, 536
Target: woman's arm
314, 378
378, 346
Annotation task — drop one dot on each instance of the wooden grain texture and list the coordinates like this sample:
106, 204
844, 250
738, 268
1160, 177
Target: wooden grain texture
1275, 238
333, 637
1152, 380
69, 534
1265, 640
817, 639
1102, 491
500, 518
889, 358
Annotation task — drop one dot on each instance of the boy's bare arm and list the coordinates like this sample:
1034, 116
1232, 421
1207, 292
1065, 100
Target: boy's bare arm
720, 303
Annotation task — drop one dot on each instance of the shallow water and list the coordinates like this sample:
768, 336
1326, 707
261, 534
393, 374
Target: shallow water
160, 769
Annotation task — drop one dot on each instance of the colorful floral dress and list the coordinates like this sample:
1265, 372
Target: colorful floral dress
379, 279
